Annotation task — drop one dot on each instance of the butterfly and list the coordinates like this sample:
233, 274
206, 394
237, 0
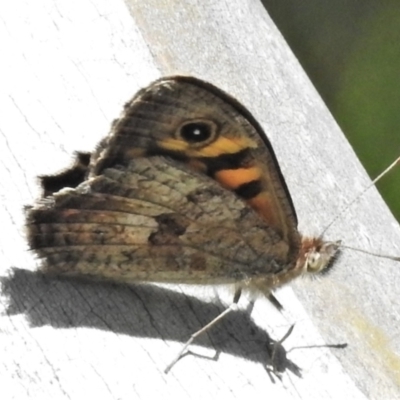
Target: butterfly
185, 188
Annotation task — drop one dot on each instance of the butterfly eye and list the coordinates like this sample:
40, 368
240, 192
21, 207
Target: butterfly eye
320, 257
197, 132
314, 262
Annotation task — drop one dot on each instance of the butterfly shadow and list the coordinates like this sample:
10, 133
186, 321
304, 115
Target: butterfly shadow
143, 310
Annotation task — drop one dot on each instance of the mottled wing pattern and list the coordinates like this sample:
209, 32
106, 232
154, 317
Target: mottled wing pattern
239, 155
153, 220
185, 188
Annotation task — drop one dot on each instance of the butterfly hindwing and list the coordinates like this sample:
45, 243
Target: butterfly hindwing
153, 220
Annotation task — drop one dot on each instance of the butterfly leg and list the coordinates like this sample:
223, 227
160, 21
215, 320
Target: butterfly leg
275, 302
205, 328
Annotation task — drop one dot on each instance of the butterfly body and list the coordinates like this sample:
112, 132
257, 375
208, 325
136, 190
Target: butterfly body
185, 189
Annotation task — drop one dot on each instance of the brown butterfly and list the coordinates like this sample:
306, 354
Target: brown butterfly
185, 189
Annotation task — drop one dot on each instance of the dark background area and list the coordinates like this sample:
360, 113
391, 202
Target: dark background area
350, 49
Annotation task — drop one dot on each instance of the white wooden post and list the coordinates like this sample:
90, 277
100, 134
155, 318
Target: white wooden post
67, 67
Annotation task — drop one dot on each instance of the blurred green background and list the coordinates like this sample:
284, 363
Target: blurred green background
351, 51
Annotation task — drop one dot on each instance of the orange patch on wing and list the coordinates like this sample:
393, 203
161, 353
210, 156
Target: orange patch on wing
233, 178
264, 205
223, 145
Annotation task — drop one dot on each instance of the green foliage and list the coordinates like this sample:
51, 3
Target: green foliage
351, 52
367, 104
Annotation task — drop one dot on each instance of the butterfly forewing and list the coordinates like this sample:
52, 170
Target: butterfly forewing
239, 156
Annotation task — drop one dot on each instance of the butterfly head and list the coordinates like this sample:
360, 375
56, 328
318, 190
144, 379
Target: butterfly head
317, 255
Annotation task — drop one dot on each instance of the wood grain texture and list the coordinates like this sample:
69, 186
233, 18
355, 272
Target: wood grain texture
67, 70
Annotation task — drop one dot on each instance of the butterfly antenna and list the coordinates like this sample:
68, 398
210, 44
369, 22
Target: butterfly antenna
394, 258
373, 183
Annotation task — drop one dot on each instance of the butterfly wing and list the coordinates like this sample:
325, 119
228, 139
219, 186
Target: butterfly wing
185, 188
237, 153
154, 220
